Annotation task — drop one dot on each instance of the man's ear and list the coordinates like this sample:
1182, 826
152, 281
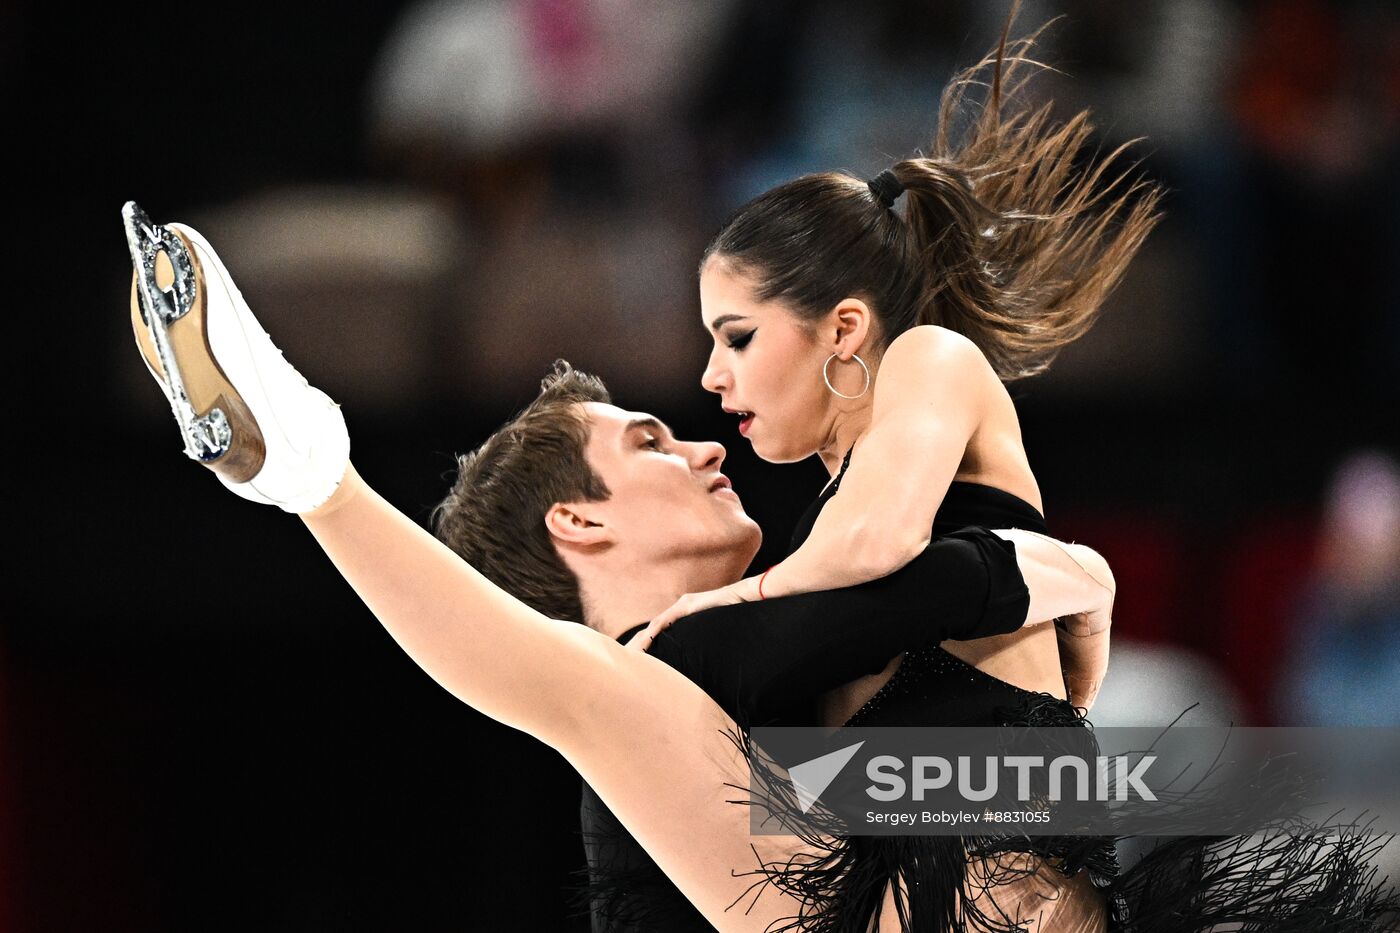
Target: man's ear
852, 322
575, 523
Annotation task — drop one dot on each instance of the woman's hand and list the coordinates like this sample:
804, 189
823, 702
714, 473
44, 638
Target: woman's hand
745, 591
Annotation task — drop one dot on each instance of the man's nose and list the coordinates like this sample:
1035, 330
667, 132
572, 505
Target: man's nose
707, 456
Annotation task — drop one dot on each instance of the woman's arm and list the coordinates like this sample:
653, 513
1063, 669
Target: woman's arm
763, 661
927, 405
767, 661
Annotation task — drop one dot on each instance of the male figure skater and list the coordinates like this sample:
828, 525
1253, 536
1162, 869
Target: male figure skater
589, 512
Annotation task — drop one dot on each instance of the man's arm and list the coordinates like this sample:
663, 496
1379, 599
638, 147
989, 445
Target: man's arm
1074, 585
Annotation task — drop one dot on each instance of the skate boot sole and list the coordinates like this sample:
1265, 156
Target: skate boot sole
218, 426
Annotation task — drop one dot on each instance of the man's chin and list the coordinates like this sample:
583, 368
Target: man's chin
739, 543
753, 541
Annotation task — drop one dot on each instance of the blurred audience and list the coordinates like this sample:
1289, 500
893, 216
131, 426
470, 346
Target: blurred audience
555, 128
1154, 685
1316, 106
1344, 667
9, 798
549, 171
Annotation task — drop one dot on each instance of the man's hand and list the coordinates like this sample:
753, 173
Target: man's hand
1074, 585
742, 592
1084, 662
1083, 637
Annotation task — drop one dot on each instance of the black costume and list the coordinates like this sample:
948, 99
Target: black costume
766, 662
770, 676
933, 687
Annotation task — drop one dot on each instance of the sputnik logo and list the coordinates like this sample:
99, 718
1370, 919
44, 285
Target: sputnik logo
811, 778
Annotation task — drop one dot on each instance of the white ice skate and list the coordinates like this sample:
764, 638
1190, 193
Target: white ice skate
243, 411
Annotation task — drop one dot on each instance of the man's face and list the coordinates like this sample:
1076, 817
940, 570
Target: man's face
669, 498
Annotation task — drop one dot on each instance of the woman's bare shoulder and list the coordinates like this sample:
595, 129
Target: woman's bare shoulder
929, 352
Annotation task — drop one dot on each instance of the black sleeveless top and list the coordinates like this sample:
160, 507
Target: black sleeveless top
1246, 882
931, 686
766, 663
964, 504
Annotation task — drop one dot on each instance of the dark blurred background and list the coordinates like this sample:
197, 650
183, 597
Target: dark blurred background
426, 203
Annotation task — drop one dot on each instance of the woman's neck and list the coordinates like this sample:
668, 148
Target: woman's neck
846, 428
850, 418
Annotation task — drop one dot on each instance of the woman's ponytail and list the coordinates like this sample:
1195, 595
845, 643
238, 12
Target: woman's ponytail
1021, 242
1008, 235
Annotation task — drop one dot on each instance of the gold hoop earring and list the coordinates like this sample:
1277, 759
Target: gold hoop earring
826, 377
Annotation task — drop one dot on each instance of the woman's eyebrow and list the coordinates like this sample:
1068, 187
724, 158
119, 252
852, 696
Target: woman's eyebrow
724, 319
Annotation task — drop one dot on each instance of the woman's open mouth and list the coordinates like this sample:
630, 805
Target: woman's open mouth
745, 419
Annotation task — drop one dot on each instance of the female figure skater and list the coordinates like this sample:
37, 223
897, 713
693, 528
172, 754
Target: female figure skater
627, 722
882, 343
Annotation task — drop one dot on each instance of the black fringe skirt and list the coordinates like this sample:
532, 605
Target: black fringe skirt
1291, 877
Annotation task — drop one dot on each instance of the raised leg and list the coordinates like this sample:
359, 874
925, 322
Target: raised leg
650, 742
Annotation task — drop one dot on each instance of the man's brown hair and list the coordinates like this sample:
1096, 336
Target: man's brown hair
494, 514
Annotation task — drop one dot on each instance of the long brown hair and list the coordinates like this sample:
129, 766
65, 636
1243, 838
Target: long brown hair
1005, 237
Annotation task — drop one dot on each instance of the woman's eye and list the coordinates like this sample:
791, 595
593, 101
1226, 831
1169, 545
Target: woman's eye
652, 443
738, 343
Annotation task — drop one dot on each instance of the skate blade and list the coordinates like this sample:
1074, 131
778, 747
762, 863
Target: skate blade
169, 318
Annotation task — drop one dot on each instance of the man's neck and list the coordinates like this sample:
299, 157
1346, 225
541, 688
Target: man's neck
616, 599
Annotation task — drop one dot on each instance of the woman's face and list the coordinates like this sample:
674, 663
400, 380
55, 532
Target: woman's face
766, 367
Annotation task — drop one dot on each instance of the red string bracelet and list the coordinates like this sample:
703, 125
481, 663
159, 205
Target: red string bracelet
760, 582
